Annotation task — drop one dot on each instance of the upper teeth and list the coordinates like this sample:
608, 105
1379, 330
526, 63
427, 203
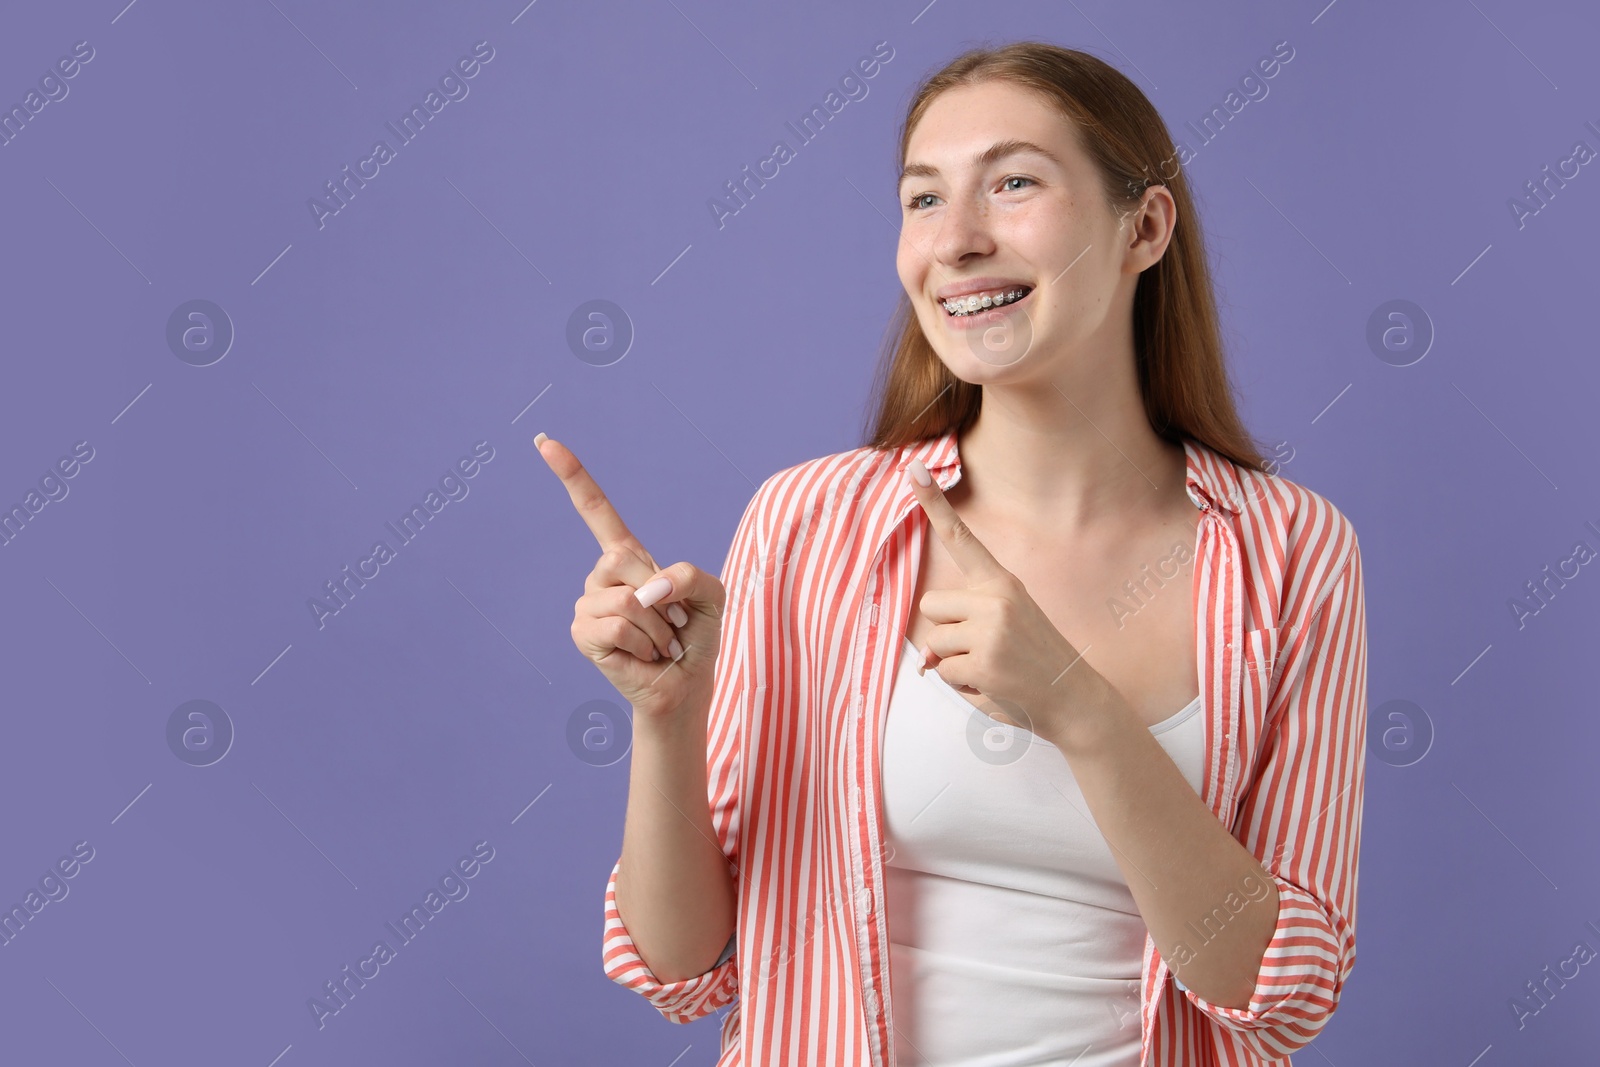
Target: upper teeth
975, 302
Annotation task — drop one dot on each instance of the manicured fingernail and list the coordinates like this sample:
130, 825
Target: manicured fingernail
539, 439
919, 472
678, 616
653, 590
675, 648
655, 654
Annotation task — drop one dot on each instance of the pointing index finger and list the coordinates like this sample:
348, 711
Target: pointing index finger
587, 497
957, 537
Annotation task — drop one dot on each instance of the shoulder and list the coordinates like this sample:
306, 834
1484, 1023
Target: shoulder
1296, 541
839, 486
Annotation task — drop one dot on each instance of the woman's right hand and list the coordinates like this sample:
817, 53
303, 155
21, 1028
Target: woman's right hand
659, 655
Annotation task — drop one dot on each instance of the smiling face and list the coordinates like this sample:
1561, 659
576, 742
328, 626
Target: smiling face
999, 198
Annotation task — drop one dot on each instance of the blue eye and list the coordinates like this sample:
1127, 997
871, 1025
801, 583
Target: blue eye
913, 204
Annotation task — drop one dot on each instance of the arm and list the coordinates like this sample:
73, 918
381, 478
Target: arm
678, 893
1302, 816
1271, 975
683, 797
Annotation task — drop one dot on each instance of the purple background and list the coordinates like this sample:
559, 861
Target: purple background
428, 314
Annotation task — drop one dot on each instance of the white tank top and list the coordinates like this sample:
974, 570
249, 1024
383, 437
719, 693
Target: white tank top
1014, 939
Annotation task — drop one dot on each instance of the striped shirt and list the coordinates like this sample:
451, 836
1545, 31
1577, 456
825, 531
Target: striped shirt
819, 582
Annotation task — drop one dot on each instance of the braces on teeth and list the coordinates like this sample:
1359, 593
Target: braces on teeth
971, 305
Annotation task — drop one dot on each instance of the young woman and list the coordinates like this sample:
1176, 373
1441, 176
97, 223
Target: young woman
1118, 821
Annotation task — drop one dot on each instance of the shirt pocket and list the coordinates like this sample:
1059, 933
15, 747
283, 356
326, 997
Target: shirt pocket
1259, 669
1258, 672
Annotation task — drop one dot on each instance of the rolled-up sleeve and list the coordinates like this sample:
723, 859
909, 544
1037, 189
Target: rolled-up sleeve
682, 1001
1301, 817
736, 684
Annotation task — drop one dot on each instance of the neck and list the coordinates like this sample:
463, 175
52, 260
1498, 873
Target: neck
1073, 459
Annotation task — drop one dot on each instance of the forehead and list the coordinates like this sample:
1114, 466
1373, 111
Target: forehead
961, 125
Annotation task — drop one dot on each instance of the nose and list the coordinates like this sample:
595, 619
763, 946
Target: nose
963, 230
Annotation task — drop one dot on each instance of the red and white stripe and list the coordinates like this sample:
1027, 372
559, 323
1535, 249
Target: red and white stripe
819, 579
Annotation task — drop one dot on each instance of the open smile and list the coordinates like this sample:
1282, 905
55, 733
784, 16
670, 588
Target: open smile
964, 312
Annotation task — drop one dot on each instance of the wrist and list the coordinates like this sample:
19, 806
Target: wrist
688, 719
1090, 717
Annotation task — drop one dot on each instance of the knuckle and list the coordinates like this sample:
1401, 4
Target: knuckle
624, 603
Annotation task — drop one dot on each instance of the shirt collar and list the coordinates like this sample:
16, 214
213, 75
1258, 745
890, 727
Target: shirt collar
1212, 478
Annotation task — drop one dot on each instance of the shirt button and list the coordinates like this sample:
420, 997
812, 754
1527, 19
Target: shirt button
864, 903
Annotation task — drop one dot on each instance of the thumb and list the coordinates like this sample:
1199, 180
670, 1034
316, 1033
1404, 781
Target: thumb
683, 583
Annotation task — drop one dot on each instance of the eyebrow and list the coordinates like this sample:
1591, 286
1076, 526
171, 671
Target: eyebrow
997, 151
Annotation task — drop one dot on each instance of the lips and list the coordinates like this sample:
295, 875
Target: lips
962, 301
985, 284
975, 323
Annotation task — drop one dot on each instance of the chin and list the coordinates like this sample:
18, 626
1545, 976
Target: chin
979, 356
974, 371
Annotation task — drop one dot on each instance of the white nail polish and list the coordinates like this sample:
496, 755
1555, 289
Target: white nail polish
678, 616
653, 590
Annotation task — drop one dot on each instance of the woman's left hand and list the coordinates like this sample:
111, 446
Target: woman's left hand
992, 638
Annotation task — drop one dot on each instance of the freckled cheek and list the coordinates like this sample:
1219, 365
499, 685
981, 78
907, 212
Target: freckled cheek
907, 266
1046, 229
